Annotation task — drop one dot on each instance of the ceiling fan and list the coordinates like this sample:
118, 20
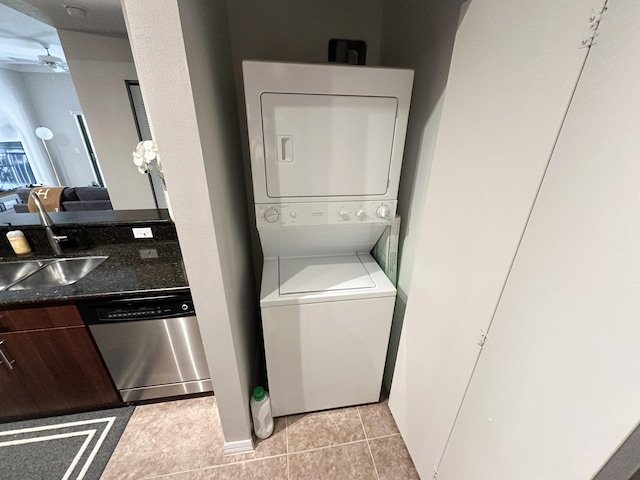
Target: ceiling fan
54, 63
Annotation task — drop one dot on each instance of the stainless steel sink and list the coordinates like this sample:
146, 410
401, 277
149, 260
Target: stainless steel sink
11, 272
50, 273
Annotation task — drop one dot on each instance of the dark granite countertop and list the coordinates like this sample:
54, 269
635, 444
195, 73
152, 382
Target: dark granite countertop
132, 269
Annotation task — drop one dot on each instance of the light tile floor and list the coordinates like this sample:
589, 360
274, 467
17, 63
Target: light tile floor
182, 440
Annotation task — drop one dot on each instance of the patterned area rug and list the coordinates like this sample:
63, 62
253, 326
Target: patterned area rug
69, 447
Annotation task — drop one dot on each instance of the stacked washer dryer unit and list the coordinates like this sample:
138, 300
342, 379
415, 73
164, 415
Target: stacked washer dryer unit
326, 144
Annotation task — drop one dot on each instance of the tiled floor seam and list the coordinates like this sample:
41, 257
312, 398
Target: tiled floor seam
209, 430
222, 465
210, 467
384, 436
328, 446
168, 475
286, 441
375, 468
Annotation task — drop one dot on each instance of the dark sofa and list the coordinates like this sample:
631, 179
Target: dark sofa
73, 199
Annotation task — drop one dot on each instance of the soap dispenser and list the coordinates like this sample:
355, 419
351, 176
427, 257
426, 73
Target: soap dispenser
18, 242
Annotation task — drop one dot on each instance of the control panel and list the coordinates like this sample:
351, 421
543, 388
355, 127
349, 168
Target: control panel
338, 213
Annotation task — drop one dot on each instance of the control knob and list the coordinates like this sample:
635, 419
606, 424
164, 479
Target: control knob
271, 215
344, 213
382, 211
361, 214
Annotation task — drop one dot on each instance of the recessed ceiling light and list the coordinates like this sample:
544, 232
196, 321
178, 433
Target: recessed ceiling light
75, 11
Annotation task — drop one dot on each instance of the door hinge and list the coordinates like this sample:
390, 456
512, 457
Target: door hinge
590, 36
483, 338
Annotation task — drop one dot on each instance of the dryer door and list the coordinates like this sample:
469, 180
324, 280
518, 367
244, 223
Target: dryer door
327, 145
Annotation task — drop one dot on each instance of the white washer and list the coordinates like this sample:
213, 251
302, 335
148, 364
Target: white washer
326, 323
326, 145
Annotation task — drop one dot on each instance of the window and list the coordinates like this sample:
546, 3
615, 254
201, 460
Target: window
15, 171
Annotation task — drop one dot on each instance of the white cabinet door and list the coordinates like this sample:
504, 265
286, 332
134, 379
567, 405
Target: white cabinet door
514, 68
556, 389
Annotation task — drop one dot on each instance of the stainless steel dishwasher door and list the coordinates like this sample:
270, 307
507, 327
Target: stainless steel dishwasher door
150, 357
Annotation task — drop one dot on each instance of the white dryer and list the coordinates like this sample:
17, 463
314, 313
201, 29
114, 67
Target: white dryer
326, 145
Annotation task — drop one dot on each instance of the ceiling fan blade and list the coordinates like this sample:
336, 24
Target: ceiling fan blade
5, 62
58, 68
49, 59
21, 60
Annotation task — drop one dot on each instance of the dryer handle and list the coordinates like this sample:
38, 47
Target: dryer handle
284, 144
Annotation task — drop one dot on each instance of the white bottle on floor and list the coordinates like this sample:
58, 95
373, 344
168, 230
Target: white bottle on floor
261, 413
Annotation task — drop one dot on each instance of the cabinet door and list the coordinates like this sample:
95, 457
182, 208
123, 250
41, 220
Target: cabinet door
556, 388
514, 68
14, 397
15, 320
58, 369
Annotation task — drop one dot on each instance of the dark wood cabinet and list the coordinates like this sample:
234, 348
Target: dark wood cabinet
17, 320
46, 370
14, 397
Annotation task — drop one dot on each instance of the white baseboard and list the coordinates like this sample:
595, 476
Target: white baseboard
241, 446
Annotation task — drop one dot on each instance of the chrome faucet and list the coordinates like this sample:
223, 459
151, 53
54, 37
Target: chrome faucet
47, 223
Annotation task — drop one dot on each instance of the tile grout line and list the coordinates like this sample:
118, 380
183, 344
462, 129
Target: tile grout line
209, 431
385, 436
286, 440
213, 467
329, 446
375, 469
170, 474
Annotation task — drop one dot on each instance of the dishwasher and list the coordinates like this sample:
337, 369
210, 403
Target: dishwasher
151, 345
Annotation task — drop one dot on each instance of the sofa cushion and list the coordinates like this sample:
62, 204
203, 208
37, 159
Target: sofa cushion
91, 193
87, 205
73, 199
23, 193
69, 195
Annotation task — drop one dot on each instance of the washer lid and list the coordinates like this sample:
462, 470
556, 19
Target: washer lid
321, 274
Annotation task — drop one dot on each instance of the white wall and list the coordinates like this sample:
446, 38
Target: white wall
417, 35
53, 98
18, 122
294, 31
193, 118
99, 66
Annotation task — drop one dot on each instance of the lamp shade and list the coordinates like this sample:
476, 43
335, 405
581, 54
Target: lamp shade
44, 133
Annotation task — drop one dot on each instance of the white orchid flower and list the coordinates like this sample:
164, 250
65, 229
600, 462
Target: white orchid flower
138, 160
144, 155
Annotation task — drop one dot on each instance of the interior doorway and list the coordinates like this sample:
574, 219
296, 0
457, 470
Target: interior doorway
89, 148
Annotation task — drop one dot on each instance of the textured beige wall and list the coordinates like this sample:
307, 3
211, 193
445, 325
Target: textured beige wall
99, 66
190, 101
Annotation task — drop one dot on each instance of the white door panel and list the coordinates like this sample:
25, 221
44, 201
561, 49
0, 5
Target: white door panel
513, 71
556, 389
